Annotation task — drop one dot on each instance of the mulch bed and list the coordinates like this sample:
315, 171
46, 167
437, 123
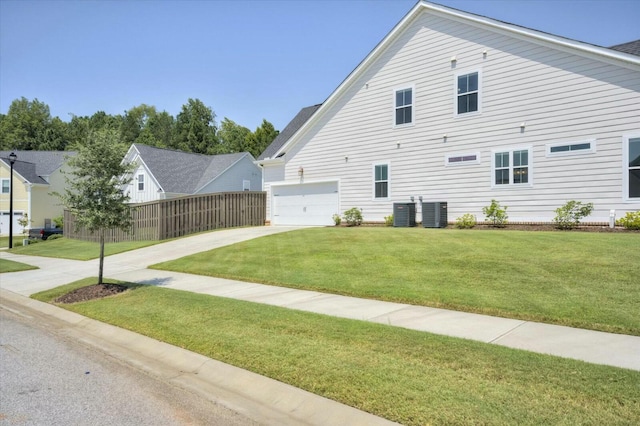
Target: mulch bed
95, 291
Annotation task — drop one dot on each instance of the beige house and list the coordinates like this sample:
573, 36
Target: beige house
36, 175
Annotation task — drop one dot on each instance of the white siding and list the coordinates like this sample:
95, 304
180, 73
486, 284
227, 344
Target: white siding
561, 97
151, 191
231, 179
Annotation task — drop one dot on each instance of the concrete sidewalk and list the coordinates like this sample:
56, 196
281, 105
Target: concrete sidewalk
591, 346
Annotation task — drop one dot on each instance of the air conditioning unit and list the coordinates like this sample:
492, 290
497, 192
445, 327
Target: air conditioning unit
434, 215
404, 214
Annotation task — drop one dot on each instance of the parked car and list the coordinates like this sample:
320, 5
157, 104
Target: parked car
43, 233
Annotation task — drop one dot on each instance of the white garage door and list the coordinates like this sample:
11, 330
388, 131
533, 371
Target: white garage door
4, 223
305, 204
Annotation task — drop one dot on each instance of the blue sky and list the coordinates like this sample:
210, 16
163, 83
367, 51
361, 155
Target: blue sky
247, 60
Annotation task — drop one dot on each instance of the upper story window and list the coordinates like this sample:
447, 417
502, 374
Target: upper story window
571, 148
467, 93
404, 107
631, 168
6, 184
381, 180
512, 167
141, 182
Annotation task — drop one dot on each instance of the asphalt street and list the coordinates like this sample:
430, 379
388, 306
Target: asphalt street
49, 379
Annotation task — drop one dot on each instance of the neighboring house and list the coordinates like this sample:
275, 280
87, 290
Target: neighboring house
36, 175
165, 173
459, 108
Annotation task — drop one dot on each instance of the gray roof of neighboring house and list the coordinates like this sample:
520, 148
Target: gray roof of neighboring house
298, 121
184, 172
32, 165
632, 47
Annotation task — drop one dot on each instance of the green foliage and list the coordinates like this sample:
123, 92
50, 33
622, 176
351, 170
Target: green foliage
54, 237
353, 216
94, 186
259, 140
630, 221
569, 215
496, 214
232, 137
24, 222
196, 128
27, 125
337, 220
388, 220
466, 221
58, 222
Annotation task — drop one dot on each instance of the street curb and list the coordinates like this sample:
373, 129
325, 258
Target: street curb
260, 398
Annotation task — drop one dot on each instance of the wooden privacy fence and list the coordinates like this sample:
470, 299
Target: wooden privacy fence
175, 217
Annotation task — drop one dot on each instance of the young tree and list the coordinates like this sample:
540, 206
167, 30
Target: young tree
94, 187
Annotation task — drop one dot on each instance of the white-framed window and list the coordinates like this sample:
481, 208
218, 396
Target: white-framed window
6, 186
140, 182
631, 167
468, 92
560, 149
512, 167
246, 185
403, 106
381, 181
462, 159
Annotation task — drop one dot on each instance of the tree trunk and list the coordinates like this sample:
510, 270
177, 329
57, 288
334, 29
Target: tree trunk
101, 269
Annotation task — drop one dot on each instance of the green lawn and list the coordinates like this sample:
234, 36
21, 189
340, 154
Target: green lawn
411, 377
17, 241
77, 250
580, 279
12, 266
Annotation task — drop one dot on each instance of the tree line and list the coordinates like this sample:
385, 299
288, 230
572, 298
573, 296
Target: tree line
28, 125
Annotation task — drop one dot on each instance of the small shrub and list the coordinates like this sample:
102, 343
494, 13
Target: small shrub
353, 216
54, 237
58, 222
337, 219
569, 215
24, 222
630, 221
388, 220
496, 214
466, 221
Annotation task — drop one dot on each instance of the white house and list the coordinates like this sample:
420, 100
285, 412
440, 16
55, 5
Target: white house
164, 173
459, 108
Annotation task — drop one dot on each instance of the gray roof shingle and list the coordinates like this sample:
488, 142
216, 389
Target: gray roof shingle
632, 47
184, 172
298, 121
46, 162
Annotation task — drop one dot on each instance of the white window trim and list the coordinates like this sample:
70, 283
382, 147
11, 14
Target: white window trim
138, 182
591, 150
625, 168
246, 185
448, 157
373, 181
512, 185
455, 93
413, 106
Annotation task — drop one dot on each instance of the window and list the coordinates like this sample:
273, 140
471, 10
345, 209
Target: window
246, 185
140, 182
381, 180
404, 107
571, 148
632, 168
512, 167
6, 184
467, 93
462, 159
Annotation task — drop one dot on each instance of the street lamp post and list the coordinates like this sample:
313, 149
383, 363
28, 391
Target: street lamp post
12, 159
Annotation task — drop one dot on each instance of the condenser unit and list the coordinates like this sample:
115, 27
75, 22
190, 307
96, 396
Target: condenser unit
404, 214
434, 215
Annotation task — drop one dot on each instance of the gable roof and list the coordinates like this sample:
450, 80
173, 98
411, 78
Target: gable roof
619, 56
46, 162
184, 172
632, 47
298, 121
